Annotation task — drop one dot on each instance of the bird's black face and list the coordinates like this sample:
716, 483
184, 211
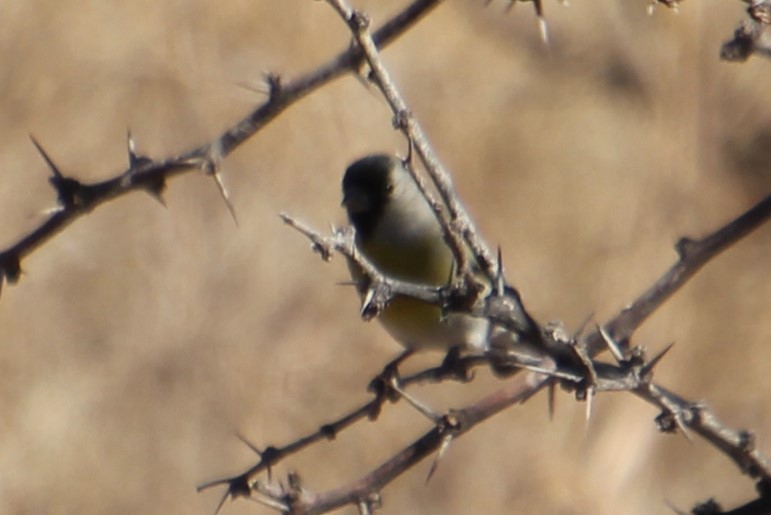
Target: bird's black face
366, 190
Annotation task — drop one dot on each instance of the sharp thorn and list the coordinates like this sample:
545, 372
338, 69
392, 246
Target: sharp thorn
365, 303
543, 29
618, 355
224, 498
650, 365
225, 195
54, 169
446, 440
249, 444
552, 400
589, 405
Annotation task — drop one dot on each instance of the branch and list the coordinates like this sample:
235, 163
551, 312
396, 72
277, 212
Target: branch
633, 376
753, 36
145, 174
458, 228
693, 255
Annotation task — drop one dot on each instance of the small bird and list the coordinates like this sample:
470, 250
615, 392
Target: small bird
397, 231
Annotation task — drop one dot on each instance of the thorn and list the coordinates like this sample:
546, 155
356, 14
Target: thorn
368, 505
648, 367
54, 169
210, 165
260, 89
589, 405
225, 196
543, 28
500, 283
367, 311
156, 193
132, 147
135, 160
618, 355
549, 372
674, 508
220, 504
267, 499
446, 441
249, 444
552, 400
155, 186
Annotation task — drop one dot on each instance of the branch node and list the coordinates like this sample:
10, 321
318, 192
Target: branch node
708, 507
685, 247
665, 422
743, 44
319, 244
70, 193
294, 488
760, 11
401, 120
747, 441
358, 21
10, 268
367, 505
275, 85
671, 4
329, 431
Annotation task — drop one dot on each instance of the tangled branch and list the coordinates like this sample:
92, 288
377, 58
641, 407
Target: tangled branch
572, 362
75, 198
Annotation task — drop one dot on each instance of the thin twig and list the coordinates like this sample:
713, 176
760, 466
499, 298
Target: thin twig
458, 227
693, 255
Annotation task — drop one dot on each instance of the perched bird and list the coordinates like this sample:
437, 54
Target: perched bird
397, 231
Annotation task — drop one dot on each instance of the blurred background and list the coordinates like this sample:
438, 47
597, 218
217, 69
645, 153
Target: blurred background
142, 339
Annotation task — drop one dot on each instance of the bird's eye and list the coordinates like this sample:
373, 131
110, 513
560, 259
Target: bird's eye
389, 188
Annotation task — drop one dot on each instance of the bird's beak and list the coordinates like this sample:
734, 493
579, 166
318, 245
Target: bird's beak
356, 201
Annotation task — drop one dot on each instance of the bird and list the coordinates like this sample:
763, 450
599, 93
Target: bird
398, 232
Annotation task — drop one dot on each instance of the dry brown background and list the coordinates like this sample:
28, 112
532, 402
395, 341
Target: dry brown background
142, 339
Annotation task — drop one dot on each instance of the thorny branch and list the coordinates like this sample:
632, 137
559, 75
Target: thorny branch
582, 374
630, 373
458, 227
145, 174
753, 36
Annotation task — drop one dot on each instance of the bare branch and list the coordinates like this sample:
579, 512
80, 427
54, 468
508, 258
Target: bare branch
151, 175
752, 36
693, 255
457, 225
631, 375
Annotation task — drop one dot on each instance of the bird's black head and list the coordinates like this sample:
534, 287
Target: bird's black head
367, 185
